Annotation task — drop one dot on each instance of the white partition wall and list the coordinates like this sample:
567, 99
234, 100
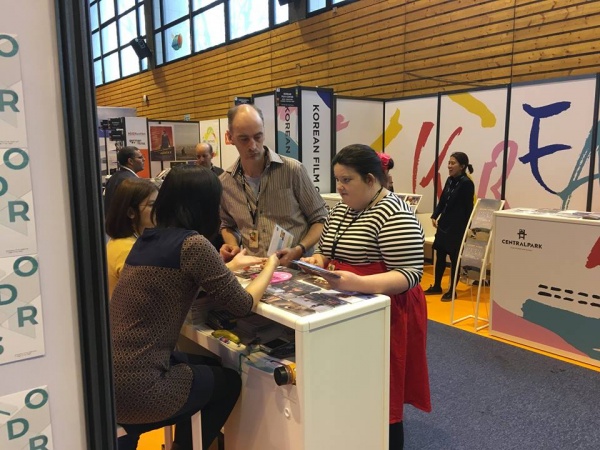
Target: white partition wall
266, 103
44, 396
358, 121
474, 123
410, 135
550, 125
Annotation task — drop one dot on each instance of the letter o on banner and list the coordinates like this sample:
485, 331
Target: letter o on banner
17, 268
13, 44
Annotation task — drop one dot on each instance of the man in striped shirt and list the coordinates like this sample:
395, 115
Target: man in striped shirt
263, 189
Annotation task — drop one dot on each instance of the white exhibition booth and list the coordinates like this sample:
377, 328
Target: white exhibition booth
341, 395
545, 288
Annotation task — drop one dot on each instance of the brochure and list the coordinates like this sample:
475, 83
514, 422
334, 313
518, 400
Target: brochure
279, 239
315, 270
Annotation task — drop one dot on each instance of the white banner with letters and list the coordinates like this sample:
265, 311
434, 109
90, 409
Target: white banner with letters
25, 420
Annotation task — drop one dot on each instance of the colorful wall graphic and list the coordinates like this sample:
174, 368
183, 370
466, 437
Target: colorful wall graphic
410, 139
358, 121
547, 154
209, 132
551, 124
474, 123
25, 420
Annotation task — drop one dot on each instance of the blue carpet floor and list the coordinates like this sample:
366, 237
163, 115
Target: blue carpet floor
491, 395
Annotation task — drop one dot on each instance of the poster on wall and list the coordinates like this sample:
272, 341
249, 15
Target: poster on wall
162, 142
13, 132
209, 133
474, 123
187, 135
21, 324
229, 153
551, 127
17, 220
316, 136
173, 141
25, 420
287, 101
359, 122
410, 139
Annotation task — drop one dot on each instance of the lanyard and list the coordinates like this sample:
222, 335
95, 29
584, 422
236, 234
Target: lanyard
452, 185
338, 235
253, 213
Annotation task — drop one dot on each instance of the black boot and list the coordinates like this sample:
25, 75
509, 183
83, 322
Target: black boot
396, 436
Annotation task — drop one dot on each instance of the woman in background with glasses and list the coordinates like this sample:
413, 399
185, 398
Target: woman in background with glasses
129, 213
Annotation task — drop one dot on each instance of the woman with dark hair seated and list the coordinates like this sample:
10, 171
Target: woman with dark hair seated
165, 270
129, 213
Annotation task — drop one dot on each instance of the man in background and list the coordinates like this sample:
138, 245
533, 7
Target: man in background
204, 156
131, 161
263, 189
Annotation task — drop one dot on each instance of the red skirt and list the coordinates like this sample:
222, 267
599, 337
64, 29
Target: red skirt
409, 376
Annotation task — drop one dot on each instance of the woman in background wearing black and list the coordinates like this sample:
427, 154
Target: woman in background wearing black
450, 218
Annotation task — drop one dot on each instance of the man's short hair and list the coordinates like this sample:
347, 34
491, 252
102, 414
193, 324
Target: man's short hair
234, 110
125, 153
210, 147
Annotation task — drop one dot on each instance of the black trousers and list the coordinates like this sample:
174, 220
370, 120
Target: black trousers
215, 410
440, 267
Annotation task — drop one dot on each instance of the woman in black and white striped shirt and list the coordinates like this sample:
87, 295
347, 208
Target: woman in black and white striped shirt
373, 240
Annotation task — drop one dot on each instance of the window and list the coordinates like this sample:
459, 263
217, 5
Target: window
180, 28
317, 5
248, 16
209, 28
177, 41
114, 23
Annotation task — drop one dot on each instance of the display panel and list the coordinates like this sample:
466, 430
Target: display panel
550, 124
474, 123
410, 139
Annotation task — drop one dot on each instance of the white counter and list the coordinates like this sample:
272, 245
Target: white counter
341, 396
546, 282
